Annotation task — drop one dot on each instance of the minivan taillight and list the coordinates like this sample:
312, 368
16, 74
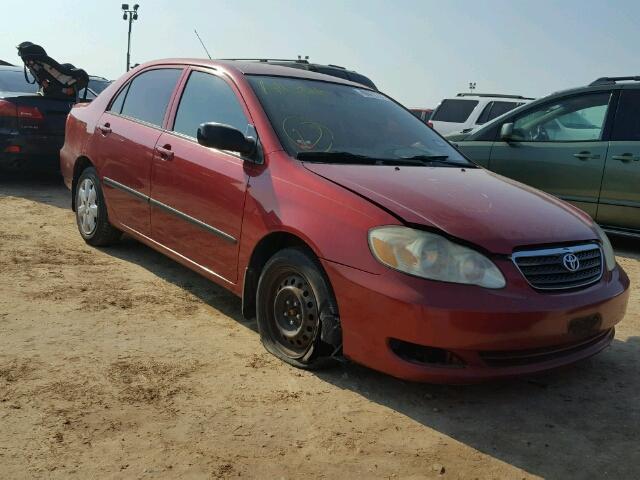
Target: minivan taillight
32, 113
29, 117
14, 116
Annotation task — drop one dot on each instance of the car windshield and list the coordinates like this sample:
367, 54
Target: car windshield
327, 122
14, 81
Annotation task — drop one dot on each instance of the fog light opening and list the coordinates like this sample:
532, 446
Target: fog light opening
423, 355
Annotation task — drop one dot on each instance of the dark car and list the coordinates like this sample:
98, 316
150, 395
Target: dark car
31, 125
346, 225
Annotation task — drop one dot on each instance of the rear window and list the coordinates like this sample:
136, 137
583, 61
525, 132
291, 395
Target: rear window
454, 111
148, 95
98, 85
14, 81
627, 123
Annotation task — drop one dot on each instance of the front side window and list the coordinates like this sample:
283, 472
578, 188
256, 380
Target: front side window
208, 98
340, 123
627, 123
574, 119
454, 111
494, 110
148, 95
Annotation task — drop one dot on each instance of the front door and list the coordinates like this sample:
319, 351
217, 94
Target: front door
558, 147
124, 143
620, 197
198, 193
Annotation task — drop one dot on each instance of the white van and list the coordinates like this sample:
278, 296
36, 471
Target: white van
470, 110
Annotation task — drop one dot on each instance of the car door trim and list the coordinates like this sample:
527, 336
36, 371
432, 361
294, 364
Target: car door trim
194, 221
169, 209
112, 183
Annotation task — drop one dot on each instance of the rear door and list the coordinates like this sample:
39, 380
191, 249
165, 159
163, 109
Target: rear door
198, 193
620, 196
124, 143
559, 147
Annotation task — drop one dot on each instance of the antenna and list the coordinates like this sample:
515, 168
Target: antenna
202, 43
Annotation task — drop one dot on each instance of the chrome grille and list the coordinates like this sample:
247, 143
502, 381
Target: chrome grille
546, 270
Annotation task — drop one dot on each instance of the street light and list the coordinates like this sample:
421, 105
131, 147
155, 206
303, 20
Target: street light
472, 86
130, 15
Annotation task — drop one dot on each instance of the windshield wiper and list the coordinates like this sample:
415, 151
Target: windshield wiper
440, 160
354, 158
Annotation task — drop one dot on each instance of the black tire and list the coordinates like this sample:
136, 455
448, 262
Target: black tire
291, 332
97, 231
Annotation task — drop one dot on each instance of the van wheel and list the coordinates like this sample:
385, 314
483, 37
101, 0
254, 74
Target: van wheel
293, 296
91, 211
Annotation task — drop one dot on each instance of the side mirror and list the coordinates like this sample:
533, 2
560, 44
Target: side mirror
506, 132
224, 137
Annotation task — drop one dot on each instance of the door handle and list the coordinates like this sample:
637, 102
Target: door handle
165, 152
586, 156
105, 129
625, 157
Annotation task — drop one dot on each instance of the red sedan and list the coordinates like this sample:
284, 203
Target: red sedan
347, 226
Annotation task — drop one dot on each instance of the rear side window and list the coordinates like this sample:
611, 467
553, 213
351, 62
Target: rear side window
208, 98
454, 111
627, 123
116, 105
148, 95
494, 110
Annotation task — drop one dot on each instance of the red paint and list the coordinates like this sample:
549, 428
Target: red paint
331, 208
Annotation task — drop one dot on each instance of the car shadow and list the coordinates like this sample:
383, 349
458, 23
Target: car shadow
130, 250
579, 422
627, 247
48, 189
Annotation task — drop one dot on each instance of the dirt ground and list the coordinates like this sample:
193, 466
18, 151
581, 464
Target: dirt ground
120, 363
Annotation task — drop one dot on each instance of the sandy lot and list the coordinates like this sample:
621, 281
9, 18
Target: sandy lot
119, 363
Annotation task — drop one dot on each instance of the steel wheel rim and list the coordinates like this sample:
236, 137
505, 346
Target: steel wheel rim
87, 207
294, 315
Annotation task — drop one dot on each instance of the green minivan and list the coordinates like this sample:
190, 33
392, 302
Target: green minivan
582, 145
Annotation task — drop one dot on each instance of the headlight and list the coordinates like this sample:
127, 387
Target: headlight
607, 249
432, 256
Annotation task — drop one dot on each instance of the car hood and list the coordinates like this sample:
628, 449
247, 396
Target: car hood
473, 204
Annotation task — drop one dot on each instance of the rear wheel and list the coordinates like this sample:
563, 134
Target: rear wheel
294, 297
91, 211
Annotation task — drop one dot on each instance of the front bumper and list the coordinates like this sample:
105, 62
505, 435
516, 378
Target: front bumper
491, 333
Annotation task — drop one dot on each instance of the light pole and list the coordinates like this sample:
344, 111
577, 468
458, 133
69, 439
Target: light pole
472, 86
130, 15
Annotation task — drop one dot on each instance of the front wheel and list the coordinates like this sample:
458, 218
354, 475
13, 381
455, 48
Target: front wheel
293, 299
91, 211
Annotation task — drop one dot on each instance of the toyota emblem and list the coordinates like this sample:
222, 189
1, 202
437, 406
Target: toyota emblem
571, 262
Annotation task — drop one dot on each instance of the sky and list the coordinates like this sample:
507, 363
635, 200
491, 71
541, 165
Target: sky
418, 52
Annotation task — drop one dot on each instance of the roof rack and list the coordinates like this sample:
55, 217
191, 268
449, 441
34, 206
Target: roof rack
497, 95
267, 60
614, 80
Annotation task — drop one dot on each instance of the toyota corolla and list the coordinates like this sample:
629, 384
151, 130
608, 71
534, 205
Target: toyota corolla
347, 226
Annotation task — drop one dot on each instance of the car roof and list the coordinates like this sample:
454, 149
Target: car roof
10, 68
247, 67
490, 97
